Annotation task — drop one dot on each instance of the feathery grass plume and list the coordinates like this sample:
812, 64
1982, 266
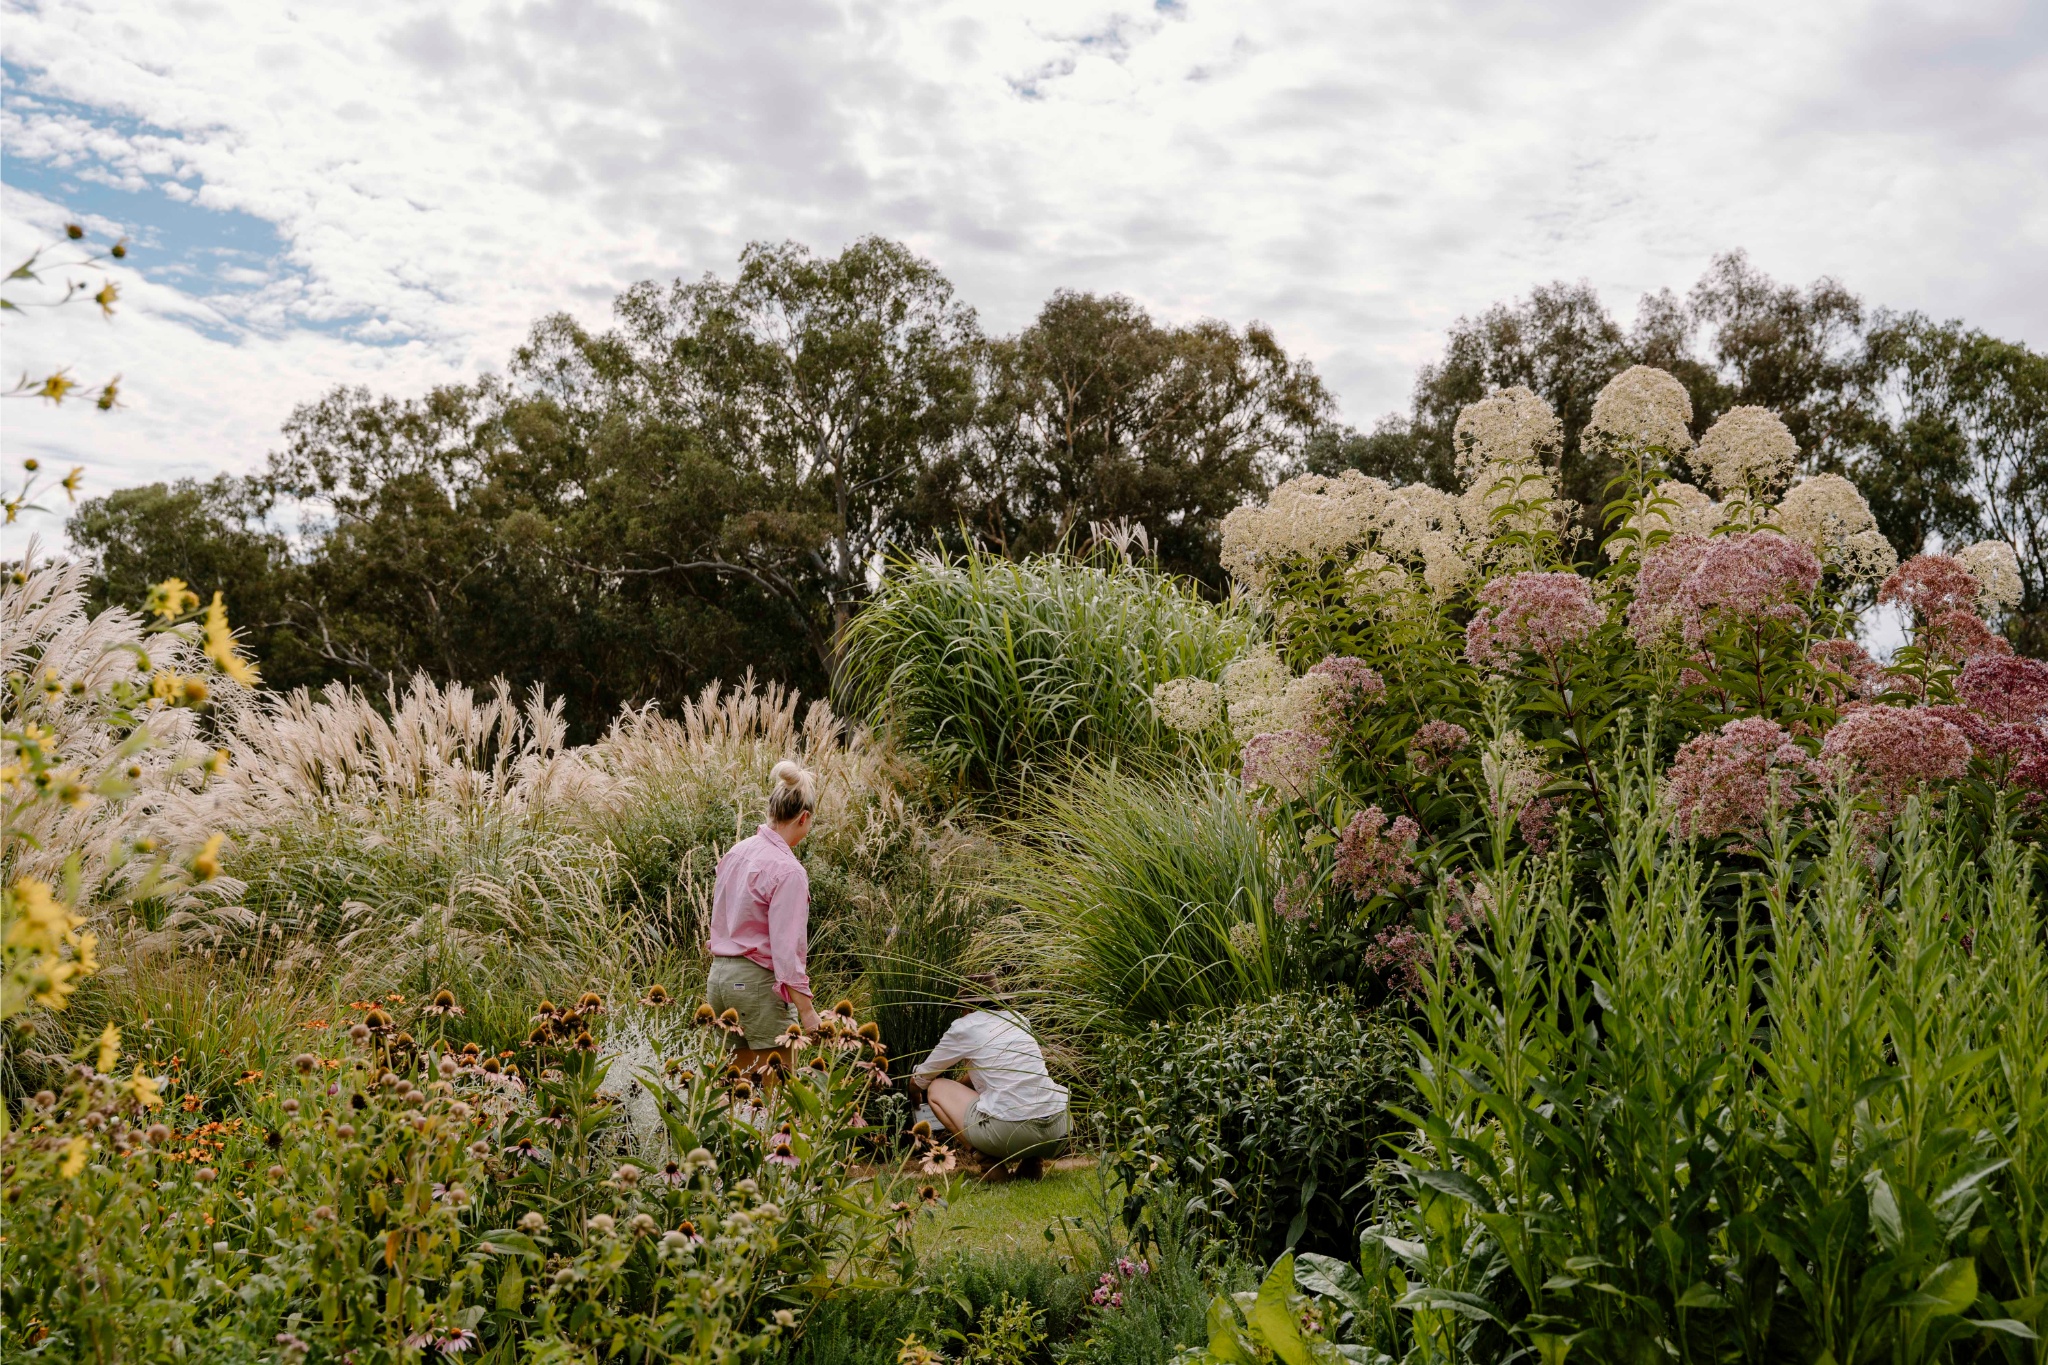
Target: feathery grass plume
1129, 888
82, 684
989, 670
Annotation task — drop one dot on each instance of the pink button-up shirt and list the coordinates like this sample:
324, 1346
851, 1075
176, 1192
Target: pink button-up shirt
761, 909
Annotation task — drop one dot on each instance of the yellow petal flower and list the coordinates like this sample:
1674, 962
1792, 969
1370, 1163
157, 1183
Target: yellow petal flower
110, 1050
143, 1089
170, 599
220, 645
74, 1157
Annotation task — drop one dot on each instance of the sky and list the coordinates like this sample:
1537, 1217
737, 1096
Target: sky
389, 194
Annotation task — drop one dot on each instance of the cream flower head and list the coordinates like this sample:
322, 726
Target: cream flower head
1749, 453
1511, 428
1827, 514
1996, 567
1643, 406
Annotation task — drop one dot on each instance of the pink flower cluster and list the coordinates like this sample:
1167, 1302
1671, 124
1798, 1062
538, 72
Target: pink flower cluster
2004, 713
1373, 855
1724, 782
1929, 585
2010, 690
1433, 744
1350, 686
1942, 595
1286, 761
1538, 821
1690, 582
1893, 751
1398, 953
1846, 668
1109, 1291
1540, 613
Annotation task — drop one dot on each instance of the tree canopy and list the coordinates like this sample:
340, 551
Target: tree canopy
715, 484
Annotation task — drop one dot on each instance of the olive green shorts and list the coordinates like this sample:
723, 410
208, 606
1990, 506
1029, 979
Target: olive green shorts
1002, 1139
744, 985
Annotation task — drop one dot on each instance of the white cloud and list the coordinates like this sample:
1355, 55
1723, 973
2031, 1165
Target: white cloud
1355, 175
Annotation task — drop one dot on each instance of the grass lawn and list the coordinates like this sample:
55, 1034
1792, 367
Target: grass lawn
1012, 1215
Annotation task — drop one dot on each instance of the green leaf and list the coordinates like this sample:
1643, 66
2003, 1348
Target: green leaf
1884, 1211
1331, 1278
1459, 1185
1951, 1287
1552, 1348
1452, 1300
1701, 1295
511, 1289
1272, 1318
1223, 1343
2011, 1327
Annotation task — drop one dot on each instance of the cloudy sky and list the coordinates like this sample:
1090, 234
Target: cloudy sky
388, 193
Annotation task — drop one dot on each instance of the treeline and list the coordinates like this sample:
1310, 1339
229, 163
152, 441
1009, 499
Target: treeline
714, 484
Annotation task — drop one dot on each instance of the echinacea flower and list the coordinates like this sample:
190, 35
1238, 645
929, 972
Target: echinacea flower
657, 997
443, 1004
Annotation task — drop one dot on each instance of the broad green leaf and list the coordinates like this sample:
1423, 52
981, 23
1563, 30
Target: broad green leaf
1223, 1343
1330, 1277
511, 1289
1552, 1348
1272, 1318
1701, 1295
1951, 1287
1459, 1185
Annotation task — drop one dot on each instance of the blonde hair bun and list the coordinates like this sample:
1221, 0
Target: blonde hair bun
794, 791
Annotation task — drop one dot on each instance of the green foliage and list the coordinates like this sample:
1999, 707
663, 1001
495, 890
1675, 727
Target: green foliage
1278, 1112
1145, 897
994, 672
1810, 1131
1096, 415
404, 1197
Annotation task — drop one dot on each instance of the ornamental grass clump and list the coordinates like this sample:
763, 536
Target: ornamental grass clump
989, 670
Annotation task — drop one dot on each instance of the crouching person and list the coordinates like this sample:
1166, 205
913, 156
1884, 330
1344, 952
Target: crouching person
1005, 1105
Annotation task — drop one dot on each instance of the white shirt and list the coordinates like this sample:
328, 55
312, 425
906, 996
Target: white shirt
1003, 1062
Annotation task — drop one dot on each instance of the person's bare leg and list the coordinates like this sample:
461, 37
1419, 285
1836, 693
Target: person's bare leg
949, 1100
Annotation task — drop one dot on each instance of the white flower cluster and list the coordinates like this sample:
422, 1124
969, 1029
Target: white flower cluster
1828, 514
1264, 698
1996, 567
1748, 454
1678, 508
1189, 705
1643, 406
1513, 428
1378, 532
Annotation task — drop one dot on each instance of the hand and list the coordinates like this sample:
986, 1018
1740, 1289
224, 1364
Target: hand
807, 1020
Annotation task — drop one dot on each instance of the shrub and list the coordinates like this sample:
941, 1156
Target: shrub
1441, 659
991, 670
1278, 1112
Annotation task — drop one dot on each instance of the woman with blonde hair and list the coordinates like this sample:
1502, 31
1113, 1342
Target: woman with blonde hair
760, 922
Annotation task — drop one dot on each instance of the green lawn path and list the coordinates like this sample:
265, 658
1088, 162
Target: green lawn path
1012, 1215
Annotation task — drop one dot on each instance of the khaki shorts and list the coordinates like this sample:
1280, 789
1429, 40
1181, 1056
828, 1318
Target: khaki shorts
742, 984
1003, 1139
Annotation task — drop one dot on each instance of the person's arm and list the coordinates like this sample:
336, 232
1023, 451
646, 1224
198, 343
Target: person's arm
953, 1047
789, 921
